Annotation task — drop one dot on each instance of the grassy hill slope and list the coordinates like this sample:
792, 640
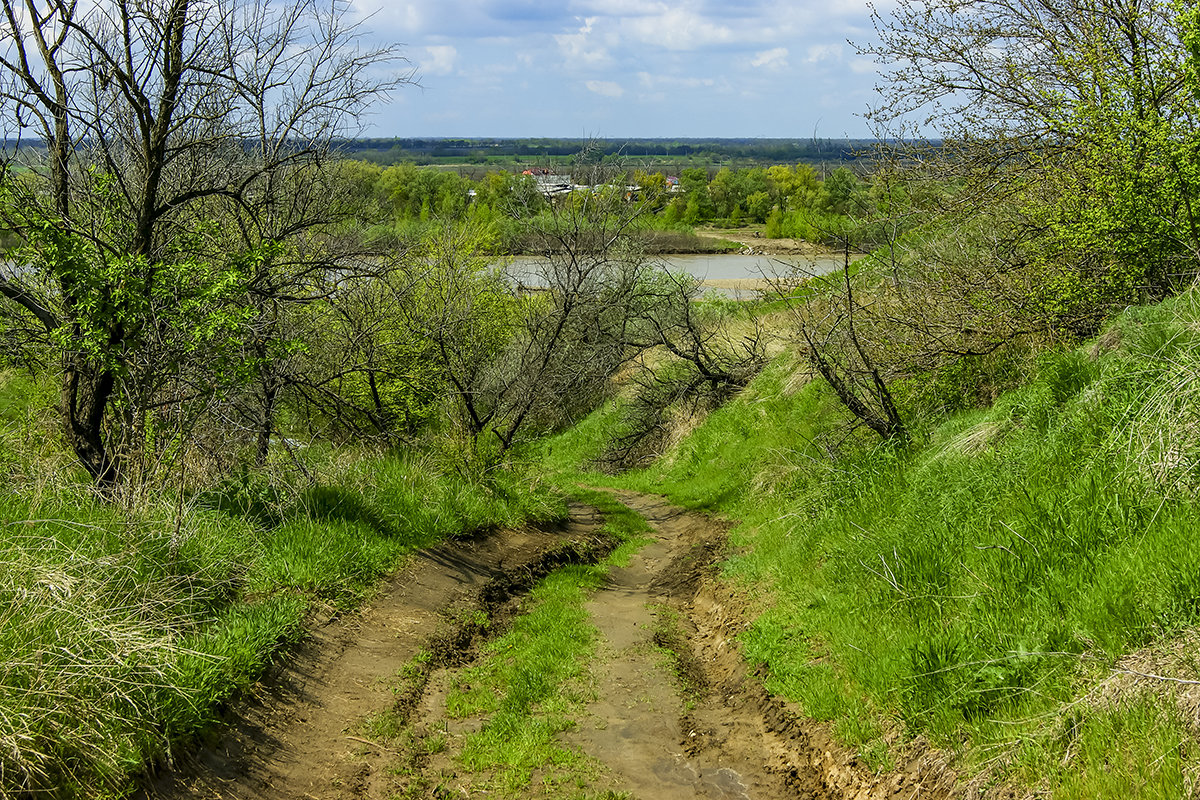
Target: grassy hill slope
1021, 586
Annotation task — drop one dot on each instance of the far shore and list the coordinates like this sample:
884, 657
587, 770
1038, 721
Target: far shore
713, 241
738, 284
756, 244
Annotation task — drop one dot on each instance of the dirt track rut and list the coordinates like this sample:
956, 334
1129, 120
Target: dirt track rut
691, 724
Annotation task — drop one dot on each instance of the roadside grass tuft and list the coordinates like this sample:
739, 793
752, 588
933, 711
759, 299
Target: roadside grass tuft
621, 522
1140, 749
531, 682
571, 456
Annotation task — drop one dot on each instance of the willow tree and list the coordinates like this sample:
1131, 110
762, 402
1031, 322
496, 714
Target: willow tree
165, 183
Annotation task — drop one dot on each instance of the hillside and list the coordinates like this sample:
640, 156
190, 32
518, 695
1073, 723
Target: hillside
1020, 588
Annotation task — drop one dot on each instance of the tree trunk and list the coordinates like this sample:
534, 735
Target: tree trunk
270, 394
86, 391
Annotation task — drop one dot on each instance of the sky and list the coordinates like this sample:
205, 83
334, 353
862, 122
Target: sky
626, 68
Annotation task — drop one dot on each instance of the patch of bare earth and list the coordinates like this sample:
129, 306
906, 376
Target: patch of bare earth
732, 738
757, 244
676, 712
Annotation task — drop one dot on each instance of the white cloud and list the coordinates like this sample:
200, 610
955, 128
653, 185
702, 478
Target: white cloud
380, 14
773, 60
860, 8
618, 8
823, 52
676, 29
605, 88
861, 66
579, 49
439, 60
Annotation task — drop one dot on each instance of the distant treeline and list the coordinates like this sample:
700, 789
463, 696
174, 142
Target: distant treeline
773, 151
744, 152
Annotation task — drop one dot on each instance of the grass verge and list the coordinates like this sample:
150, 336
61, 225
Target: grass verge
530, 683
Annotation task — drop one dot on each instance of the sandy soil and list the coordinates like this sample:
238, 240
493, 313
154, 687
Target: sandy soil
739, 284
760, 245
677, 713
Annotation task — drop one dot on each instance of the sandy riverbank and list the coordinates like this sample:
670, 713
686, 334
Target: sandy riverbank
739, 285
758, 244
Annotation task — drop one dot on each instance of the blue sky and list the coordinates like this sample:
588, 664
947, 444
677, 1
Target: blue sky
627, 68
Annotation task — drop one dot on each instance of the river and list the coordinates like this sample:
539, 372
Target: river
730, 274
742, 276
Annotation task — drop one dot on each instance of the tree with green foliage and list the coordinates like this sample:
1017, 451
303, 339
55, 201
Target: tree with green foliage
792, 187
1079, 115
183, 145
466, 313
652, 189
840, 192
758, 206
422, 193
693, 182
363, 188
723, 192
365, 372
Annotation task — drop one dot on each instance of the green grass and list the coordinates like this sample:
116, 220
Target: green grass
970, 587
569, 458
621, 522
531, 682
1151, 756
121, 631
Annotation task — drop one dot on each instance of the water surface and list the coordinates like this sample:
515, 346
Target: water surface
730, 274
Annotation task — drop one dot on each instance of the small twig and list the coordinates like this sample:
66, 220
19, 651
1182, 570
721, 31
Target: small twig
1037, 552
373, 744
999, 547
1137, 674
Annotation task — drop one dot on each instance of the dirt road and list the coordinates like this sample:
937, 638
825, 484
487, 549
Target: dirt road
675, 714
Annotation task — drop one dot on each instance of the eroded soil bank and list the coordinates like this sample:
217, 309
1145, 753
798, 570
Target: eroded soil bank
674, 712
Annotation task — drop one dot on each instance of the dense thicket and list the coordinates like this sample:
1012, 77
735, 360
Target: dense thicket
792, 201
180, 201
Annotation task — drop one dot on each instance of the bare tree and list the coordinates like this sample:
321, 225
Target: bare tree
532, 346
1017, 72
175, 183
943, 288
687, 356
843, 341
